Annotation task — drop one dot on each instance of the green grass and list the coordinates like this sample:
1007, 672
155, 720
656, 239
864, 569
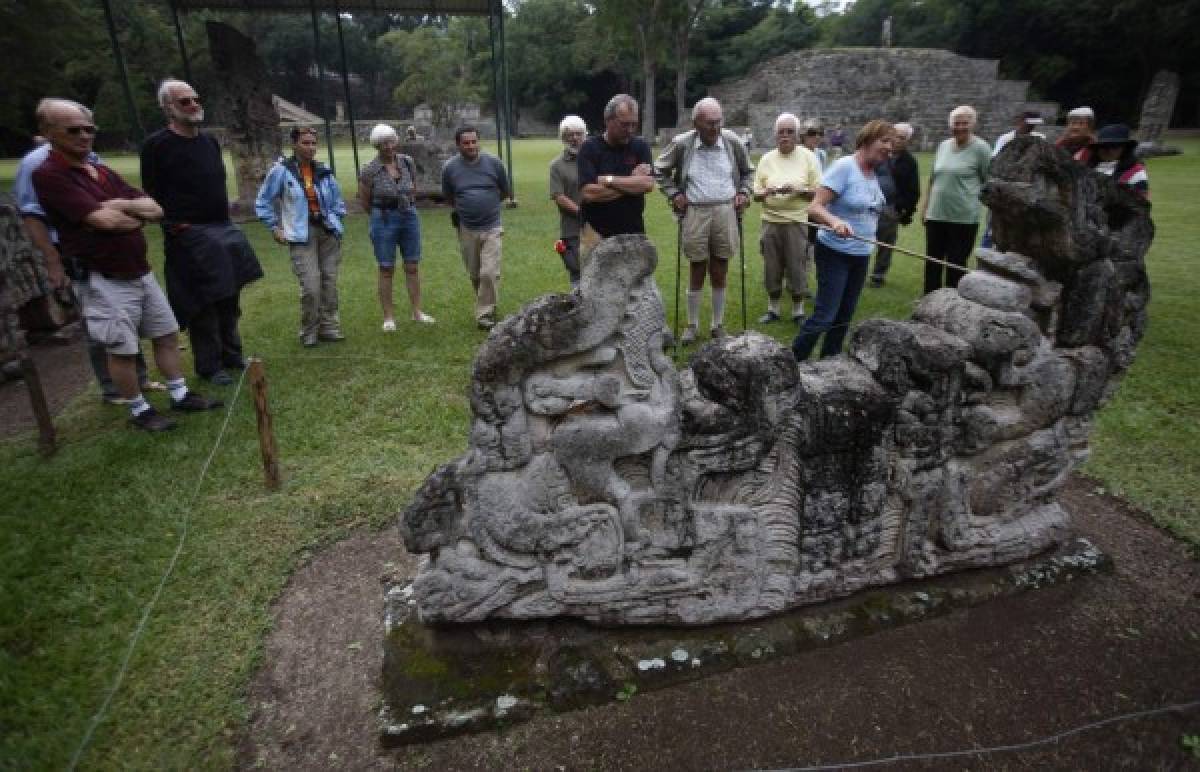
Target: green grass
88, 533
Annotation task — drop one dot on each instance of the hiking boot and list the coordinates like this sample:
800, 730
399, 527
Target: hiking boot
768, 317
876, 282
308, 341
333, 336
485, 323
717, 332
689, 335
150, 420
195, 403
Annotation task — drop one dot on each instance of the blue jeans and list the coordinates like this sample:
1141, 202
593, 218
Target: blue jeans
392, 228
840, 280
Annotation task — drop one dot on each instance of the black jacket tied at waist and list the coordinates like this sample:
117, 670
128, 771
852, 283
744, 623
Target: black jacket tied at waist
206, 263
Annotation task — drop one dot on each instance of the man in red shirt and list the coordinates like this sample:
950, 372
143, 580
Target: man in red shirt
100, 218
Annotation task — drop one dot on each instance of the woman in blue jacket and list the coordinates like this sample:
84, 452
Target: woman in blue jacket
302, 205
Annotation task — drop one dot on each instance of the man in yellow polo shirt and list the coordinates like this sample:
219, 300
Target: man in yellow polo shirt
785, 181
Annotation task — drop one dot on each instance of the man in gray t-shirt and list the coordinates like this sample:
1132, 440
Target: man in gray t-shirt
565, 192
475, 183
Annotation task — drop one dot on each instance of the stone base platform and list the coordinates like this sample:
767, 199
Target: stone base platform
439, 682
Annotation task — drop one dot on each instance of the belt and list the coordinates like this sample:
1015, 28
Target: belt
402, 204
117, 276
710, 203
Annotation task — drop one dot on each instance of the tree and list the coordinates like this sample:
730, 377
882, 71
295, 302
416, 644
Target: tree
688, 12
432, 66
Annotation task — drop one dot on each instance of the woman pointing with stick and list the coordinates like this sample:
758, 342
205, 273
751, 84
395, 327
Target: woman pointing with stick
849, 202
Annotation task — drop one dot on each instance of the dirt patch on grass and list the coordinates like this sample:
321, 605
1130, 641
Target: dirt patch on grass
64, 372
1009, 672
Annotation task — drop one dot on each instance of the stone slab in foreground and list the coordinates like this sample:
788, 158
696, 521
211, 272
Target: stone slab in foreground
456, 679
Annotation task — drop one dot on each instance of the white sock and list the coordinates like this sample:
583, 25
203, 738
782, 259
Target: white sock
693, 306
178, 388
718, 300
773, 305
139, 405
797, 308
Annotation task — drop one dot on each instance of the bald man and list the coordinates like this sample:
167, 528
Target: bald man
99, 218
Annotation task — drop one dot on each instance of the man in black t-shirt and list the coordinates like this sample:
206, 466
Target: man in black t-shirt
208, 259
615, 174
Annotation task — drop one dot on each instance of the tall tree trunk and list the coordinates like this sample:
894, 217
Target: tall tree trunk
683, 39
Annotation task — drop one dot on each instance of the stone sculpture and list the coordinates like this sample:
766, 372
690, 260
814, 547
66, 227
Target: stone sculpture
253, 129
603, 485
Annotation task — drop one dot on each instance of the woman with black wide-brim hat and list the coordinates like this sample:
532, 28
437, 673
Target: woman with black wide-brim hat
1113, 153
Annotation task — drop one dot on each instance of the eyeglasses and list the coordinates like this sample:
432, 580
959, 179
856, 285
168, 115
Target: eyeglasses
185, 101
75, 131
785, 131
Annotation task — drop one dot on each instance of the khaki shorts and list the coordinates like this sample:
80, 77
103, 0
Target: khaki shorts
119, 312
710, 232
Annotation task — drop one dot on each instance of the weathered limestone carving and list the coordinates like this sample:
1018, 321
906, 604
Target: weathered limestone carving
602, 484
253, 129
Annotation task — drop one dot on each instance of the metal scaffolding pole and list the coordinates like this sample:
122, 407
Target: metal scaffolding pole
346, 89
183, 55
122, 71
495, 78
312, 7
507, 104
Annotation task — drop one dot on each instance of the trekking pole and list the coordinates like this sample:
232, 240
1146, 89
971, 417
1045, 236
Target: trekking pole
742, 252
890, 246
678, 272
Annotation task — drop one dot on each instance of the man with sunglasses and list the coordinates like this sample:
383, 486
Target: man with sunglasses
208, 259
62, 272
615, 174
99, 218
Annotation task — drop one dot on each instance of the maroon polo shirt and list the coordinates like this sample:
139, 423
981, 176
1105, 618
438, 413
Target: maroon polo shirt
69, 194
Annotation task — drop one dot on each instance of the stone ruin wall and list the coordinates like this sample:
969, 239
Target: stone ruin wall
854, 85
601, 483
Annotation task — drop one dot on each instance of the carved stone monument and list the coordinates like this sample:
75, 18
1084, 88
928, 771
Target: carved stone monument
253, 128
1156, 113
602, 484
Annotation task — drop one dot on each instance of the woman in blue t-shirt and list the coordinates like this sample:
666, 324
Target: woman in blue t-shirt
849, 202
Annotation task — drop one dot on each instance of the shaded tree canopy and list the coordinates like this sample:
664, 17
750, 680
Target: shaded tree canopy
570, 56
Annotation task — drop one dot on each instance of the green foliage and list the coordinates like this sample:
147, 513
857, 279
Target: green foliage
432, 66
1191, 743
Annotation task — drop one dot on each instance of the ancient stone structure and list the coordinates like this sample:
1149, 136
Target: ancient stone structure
602, 484
27, 301
1158, 106
850, 86
253, 130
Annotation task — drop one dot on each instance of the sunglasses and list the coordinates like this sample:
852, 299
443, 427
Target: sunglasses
185, 101
75, 131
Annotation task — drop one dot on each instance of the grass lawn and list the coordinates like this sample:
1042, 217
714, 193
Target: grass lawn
87, 535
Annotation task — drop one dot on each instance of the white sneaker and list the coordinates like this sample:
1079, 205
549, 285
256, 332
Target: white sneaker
423, 318
389, 325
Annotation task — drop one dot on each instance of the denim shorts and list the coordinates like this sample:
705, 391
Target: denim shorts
392, 228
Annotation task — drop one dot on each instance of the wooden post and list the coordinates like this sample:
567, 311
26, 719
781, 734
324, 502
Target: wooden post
41, 411
266, 434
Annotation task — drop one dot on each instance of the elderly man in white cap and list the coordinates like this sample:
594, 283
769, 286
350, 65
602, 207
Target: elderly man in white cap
1081, 132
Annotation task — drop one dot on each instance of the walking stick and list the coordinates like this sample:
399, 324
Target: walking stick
742, 252
678, 270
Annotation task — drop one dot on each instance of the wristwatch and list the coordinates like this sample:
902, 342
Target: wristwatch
608, 180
